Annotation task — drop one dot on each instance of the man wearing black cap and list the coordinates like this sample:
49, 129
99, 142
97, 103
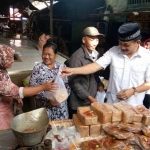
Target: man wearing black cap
84, 87
129, 67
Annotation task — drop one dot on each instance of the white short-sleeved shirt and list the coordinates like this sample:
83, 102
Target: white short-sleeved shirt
93, 55
126, 73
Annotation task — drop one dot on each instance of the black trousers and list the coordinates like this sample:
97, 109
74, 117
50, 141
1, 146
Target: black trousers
146, 101
71, 112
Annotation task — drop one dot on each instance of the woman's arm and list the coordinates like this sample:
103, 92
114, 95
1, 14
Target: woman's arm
47, 86
9, 89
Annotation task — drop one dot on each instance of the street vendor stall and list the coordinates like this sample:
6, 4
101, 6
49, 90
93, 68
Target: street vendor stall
100, 127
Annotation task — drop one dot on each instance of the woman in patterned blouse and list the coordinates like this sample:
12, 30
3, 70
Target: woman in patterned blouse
46, 70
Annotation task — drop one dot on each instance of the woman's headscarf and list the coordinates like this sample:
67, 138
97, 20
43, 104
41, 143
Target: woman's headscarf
7, 88
6, 53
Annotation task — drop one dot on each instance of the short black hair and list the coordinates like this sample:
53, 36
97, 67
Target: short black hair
49, 43
138, 38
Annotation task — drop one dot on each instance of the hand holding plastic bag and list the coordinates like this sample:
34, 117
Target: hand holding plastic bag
58, 96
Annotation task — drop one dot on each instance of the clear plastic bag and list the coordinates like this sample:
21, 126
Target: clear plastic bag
63, 145
100, 96
58, 96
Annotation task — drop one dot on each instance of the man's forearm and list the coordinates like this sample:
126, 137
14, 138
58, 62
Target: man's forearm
87, 69
144, 87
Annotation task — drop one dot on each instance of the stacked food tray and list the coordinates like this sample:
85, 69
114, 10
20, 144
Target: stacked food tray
112, 127
107, 127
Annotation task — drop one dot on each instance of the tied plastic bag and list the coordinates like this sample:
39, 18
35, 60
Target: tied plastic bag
58, 96
100, 96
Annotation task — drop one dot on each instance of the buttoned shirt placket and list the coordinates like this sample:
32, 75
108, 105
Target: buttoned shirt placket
126, 73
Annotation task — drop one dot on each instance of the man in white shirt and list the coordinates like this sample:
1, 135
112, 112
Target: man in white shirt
129, 67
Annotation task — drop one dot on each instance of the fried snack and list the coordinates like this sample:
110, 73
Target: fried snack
117, 132
144, 142
146, 130
129, 127
127, 114
95, 130
111, 143
146, 114
91, 145
137, 114
104, 114
87, 116
116, 113
81, 128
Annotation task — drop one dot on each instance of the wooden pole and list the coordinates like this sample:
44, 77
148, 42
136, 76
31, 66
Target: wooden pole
51, 19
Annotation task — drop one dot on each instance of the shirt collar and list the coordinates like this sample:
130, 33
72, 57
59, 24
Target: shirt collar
56, 65
140, 51
93, 54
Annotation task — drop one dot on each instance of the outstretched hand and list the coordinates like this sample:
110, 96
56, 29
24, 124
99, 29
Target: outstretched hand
66, 71
50, 86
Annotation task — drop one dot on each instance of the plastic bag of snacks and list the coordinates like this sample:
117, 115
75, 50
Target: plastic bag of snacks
60, 95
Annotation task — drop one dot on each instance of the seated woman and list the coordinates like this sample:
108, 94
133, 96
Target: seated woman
10, 91
46, 70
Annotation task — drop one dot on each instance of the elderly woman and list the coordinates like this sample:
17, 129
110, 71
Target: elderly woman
10, 91
48, 69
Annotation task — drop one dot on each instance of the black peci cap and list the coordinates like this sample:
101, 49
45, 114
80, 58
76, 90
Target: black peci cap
129, 31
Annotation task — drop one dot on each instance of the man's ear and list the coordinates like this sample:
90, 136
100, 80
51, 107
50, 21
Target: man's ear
83, 40
138, 41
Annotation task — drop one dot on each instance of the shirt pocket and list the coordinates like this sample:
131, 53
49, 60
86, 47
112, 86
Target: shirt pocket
138, 73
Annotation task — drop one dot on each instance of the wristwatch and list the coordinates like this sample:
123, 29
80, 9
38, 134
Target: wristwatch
135, 91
